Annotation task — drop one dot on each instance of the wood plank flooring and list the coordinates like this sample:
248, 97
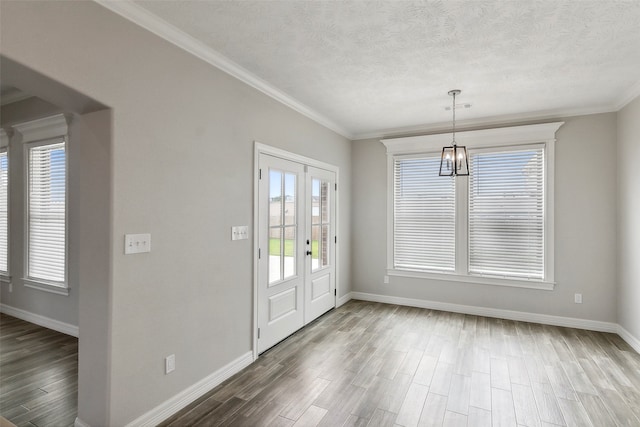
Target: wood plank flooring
370, 364
38, 374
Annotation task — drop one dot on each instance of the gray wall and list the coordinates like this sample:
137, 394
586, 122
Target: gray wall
629, 218
181, 168
93, 243
63, 308
585, 231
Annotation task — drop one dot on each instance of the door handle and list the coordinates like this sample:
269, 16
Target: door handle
308, 252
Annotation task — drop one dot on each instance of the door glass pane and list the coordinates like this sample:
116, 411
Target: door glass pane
289, 199
275, 250
324, 254
289, 266
275, 198
324, 200
282, 225
315, 246
320, 218
315, 201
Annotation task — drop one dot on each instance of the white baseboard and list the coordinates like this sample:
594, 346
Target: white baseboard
79, 423
56, 325
192, 393
343, 299
629, 338
545, 319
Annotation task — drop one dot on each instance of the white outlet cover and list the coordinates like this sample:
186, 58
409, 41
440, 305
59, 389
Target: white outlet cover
169, 364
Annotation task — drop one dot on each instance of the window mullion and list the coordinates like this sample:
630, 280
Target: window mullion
462, 201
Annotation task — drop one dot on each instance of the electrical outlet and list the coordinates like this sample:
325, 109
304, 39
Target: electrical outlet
577, 298
137, 243
386, 279
169, 364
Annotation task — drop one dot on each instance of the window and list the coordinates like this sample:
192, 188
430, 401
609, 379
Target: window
45, 158
46, 212
506, 213
493, 227
424, 215
4, 207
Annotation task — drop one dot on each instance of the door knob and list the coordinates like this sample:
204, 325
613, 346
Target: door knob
308, 252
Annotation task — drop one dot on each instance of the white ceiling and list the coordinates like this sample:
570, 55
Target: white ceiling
369, 68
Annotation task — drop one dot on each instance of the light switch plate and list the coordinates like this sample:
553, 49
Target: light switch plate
239, 232
137, 243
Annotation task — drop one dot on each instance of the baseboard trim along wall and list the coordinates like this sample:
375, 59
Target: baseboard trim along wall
630, 339
545, 319
192, 393
79, 423
56, 325
343, 300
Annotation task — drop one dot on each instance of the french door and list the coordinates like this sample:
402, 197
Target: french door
296, 247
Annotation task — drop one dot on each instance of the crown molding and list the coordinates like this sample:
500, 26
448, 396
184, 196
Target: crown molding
630, 95
151, 22
484, 121
4, 139
514, 135
14, 96
40, 129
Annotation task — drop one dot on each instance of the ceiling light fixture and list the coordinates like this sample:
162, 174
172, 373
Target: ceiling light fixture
454, 160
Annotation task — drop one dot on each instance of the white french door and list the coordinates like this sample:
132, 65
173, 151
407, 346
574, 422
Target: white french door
296, 247
320, 269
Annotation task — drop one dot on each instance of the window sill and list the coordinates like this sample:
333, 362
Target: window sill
46, 286
5, 279
479, 280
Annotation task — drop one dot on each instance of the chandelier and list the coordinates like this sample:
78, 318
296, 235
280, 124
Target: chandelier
454, 161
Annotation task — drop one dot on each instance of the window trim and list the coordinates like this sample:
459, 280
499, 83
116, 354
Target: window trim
35, 133
478, 139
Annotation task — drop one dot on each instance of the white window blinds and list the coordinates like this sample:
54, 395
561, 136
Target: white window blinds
424, 216
506, 213
4, 211
47, 211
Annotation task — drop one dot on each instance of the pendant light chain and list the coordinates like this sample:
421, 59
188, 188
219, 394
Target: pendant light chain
454, 119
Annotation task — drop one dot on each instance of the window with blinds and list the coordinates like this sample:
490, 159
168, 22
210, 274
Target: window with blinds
506, 213
424, 215
47, 212
4, 212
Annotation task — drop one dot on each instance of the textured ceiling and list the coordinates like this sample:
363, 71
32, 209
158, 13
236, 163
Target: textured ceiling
372, 67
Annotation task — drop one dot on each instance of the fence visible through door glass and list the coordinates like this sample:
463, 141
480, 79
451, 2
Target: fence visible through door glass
282, 225
320, 224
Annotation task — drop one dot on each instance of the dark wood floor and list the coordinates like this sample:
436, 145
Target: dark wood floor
369, 364
38, 374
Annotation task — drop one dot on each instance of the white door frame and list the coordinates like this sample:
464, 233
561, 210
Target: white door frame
260, 149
